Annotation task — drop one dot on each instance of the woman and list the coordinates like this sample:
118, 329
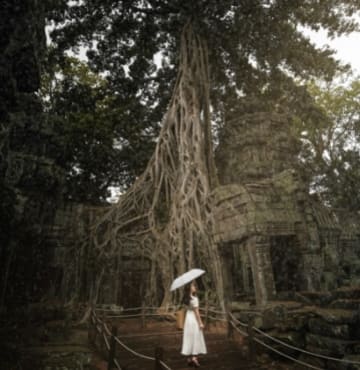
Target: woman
193, 337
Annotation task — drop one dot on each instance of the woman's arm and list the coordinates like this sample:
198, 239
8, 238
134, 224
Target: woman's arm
198, 317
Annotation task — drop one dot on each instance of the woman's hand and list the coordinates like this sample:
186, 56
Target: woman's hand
201, 325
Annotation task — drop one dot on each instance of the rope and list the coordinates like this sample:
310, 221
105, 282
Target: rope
287, 356
108, 332
233, 322
106, 342
215, 318
164, 365
239, 330
238, 321
151, 334
306, 352
213, 311
117, 364
135, 308
138, 315
134, 352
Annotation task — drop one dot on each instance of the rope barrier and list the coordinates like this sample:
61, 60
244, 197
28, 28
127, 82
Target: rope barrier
165, 366
134, 352
151, 334
234, 322
136, 308
293, 347
107, 344
138, 315
117, 364
271, 348
287, 356
97, 321
237, 321
304, 351
239, 330
215, 318
213, 311
107, 330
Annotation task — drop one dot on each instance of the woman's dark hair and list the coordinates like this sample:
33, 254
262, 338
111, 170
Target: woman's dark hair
187, 293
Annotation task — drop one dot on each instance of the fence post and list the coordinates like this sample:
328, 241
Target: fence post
92, 328
206, 313
143, 323
230, 329
159, 353
112, 348
251, 338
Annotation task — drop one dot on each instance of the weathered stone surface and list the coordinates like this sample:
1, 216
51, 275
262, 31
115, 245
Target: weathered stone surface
347, 293
317, 298
343, 365
321, 327
332, 345
57, 357
337, 316
346, 304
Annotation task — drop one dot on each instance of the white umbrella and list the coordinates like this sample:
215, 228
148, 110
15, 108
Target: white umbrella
186, 278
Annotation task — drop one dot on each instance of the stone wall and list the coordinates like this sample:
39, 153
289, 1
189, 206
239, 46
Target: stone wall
323, 323
261, 197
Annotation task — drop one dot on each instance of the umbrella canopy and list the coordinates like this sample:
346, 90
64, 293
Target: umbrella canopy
186, 278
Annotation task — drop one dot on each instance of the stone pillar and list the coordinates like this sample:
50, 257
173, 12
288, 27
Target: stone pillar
227, 256
259, 252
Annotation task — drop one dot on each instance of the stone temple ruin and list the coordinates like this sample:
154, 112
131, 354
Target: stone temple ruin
273, 235
290, 264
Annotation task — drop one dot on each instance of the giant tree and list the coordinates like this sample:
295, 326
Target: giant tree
254, 49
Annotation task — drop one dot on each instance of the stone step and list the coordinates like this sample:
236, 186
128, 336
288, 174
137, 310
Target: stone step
347, 304
330, 345
337, 316
347, 293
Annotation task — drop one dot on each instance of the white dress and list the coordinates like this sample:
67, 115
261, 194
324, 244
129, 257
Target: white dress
193, 337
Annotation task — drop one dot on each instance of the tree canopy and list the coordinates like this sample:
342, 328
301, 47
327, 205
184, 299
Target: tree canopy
100, 147
331, 144
256, 49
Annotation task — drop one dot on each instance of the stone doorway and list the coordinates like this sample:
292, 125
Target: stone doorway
285, 259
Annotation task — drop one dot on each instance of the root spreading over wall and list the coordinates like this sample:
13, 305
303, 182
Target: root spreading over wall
165, 218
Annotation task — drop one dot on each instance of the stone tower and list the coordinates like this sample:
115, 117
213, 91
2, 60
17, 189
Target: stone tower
273, 236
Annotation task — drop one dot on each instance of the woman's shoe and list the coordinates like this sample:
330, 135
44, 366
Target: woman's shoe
190, 363
195, 363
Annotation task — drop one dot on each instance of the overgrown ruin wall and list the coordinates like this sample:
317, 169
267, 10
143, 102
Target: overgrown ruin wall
274, 234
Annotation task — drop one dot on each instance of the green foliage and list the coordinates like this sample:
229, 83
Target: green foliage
99, 150
331, 143
253, 45
256, 52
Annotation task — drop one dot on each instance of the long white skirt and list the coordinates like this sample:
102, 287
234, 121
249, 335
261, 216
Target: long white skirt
193, 337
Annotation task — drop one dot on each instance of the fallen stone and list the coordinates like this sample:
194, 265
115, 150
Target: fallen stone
321, 327
333, 346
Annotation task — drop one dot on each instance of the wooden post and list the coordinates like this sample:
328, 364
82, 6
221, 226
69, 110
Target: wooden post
92, 328
230, 329
251, 339
143, 323
159, 354
206, 313
111, 362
